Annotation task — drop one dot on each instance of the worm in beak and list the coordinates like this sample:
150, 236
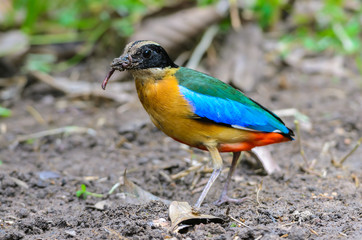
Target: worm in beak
121, 64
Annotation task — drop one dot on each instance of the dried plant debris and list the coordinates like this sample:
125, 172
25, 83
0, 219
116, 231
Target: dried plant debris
102, 205
13, 43
339, 163
183, 216
131, 193
263, 156
241, 60
51, 132
179, 28
118, 93
327, 65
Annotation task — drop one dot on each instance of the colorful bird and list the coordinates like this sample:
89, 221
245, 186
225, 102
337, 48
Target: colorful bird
197, 109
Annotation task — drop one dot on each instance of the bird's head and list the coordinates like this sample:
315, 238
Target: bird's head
140, 55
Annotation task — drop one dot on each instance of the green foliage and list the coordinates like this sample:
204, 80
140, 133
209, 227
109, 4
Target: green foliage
4, 112
333, 27
64, 21
83, 193
30, 141
39, 62
232, 225
206, 2
267, 12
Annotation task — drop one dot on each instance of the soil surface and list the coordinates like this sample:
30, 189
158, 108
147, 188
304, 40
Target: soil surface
39, 177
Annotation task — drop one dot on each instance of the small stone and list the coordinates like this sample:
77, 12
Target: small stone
302, 216
23, 213
71, 233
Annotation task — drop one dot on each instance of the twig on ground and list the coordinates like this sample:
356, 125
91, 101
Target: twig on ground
234, 15
299, 141
36, 115
195, 180
308, 168
115, 186
314, 232
186, 172
260, 186
355, 179
20, 183
65, 130
203, 45
238, 221
343, 159
165, 176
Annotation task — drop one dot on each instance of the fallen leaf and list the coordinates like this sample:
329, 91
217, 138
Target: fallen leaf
71, 232
263, 156
101, 205
178, 29
131, 193
182, 216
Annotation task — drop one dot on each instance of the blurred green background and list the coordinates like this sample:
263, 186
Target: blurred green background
330, 25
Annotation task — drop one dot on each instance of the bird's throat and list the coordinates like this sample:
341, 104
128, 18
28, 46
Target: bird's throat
152, 75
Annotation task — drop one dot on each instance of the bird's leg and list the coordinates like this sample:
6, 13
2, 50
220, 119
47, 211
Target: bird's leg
224, 197
217, 166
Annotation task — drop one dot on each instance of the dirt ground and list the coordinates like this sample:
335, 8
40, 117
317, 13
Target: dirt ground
39, 177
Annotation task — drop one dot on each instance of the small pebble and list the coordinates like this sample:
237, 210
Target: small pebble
71, 233
23, 213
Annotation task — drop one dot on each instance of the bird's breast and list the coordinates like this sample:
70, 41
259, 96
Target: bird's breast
161, 98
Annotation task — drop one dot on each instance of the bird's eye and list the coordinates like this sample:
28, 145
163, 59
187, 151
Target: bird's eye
147, 53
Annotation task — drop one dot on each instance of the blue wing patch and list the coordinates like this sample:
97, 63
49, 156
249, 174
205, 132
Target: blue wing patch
230, 112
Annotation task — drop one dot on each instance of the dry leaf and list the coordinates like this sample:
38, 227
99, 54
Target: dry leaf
179, 28
182, 216
131, 193
19, 183
241, 60
263, 156
102, 205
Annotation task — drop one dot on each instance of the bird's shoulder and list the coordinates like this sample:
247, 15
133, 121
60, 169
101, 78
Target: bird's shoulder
207, 85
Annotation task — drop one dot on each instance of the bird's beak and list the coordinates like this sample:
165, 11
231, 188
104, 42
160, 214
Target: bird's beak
122, 63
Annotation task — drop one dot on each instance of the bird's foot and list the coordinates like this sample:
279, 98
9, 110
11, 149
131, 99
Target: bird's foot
226, 199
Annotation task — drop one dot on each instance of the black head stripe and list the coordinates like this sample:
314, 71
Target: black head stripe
136, 42
158, 59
